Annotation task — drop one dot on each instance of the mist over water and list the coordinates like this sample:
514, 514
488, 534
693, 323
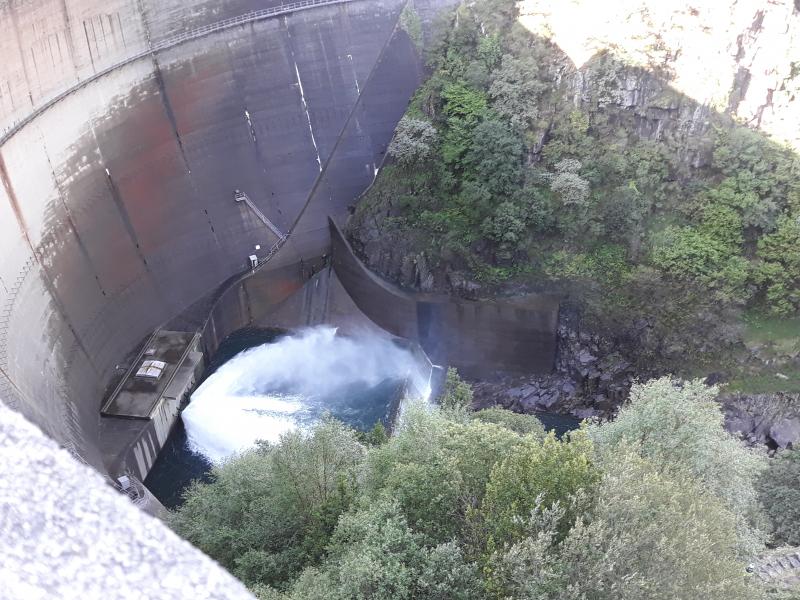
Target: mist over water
268, 390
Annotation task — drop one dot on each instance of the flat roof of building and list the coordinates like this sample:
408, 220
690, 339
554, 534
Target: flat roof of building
148, 377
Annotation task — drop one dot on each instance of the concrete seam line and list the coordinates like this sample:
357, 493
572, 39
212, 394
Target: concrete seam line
350, 116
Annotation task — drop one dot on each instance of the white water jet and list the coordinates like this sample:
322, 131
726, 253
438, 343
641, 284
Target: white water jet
268, 390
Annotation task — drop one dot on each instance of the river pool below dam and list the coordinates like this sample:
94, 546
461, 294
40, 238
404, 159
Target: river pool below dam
264, 383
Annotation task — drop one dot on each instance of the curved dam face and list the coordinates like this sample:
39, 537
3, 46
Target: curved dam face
118, 168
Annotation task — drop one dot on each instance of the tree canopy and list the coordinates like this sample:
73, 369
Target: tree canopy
659, 504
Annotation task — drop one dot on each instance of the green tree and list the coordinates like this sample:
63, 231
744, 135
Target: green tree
457, 393
269, 511
436, 468
495, 157
490, 50
568, 185
374, 555
686, 253
506, 228
376, 436
779, 269
413, 141
770, 172
678, 427
516, 91
464, 108
539, 473
737, 193
521, 424
649, 534
723, 224
779, 491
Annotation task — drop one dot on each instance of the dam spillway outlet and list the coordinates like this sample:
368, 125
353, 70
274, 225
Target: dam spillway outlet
265, 391
268, 390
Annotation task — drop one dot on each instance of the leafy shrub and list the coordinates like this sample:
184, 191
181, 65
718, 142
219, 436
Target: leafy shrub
457, 393
678, 428
271, 510
520, 423
568, 185
651, 535
413, 141
540, 473
779, 271
779, 491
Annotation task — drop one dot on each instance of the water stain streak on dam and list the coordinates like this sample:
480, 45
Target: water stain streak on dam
126, 126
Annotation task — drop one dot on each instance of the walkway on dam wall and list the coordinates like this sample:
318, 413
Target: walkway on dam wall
194, 34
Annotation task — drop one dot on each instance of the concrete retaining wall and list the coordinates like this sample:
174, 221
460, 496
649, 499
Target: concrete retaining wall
475, 337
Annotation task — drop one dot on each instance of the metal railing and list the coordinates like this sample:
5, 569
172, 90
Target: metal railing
193, 34
135, 491
240, 196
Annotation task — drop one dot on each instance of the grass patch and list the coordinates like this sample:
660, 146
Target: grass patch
766, 383
764, 329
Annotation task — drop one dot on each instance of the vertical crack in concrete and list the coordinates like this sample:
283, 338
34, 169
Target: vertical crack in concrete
170, 113
71, 222
126, 220
302, 93
122, 211
173, 122
355, 75
46, 277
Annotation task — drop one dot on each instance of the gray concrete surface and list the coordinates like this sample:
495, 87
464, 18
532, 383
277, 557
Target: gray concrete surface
116, 208
136, 397
65, 533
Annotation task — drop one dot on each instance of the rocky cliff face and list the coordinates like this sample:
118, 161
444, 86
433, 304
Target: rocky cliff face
740, 57
641, 70
764, 419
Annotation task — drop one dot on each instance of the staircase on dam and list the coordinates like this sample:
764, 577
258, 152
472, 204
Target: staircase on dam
240, 196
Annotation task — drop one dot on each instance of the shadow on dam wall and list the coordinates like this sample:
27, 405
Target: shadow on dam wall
116, 202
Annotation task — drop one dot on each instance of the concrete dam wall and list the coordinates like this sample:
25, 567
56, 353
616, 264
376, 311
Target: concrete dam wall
116, 203
150, 151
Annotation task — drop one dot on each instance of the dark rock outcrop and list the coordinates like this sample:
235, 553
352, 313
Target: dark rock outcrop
764, 419
591, 378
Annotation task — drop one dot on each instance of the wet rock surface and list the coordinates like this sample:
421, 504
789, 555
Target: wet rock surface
764, 419
591, 379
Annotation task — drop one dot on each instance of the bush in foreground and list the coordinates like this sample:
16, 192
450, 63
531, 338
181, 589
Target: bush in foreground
659, 504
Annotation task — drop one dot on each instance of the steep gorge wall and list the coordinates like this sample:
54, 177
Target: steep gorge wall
677, 63
116, 208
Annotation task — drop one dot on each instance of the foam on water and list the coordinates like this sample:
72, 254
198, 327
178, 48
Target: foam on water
268, 390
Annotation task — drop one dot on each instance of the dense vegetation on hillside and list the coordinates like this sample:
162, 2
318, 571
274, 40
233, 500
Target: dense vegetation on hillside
513, 171
661, 503
509, 170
